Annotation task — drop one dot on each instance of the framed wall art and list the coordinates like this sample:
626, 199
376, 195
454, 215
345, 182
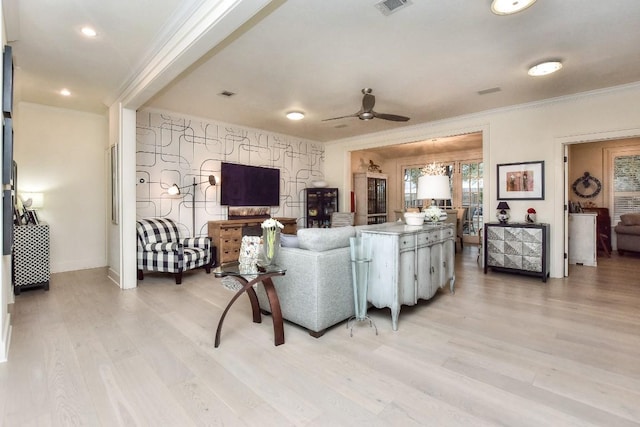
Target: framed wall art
521, 181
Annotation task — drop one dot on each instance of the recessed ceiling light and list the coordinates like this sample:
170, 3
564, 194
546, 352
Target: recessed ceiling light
89, 32
545, 68
65, 92
507, 7
295, 115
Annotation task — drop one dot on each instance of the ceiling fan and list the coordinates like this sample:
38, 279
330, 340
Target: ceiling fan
367, 113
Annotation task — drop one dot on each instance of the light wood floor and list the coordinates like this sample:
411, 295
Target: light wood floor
504, 350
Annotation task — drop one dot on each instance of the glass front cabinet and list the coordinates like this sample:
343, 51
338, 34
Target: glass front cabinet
321, 203
371, 198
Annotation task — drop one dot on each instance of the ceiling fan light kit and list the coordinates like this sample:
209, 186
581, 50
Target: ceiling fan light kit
508, 7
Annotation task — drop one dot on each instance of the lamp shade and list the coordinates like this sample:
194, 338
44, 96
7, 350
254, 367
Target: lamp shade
503, 205
433, 187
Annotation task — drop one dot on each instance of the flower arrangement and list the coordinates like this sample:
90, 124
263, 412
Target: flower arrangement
531, 211
433, 214
269, 229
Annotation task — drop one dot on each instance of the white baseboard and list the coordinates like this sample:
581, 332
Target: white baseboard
113, 276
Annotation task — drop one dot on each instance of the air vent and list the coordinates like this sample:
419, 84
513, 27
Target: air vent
488, 91
226, 93
388, 7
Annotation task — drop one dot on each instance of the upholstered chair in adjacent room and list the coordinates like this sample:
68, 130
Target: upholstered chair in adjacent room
342, 219
160, 248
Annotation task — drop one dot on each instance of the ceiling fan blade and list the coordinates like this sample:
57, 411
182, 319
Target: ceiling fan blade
368, 102
341, 117
392, 117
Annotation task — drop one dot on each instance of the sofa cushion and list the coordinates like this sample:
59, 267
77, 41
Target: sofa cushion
630, 219
628, 229
324, 239
289, 241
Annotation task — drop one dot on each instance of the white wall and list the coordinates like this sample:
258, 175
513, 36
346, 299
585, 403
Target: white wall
525, 133
62, 153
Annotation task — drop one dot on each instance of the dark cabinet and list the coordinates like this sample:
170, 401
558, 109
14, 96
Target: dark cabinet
321, 203
603, 222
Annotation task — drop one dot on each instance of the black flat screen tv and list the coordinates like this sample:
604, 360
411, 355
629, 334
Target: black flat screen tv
243, 185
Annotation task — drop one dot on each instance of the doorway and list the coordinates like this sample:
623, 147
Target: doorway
461, 154
595, 182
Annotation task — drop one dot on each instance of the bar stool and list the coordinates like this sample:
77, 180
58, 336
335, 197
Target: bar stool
360, 260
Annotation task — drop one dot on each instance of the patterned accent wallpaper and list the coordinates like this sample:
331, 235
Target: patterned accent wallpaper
172, 148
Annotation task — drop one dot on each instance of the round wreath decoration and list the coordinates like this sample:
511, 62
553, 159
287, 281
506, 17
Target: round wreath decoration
587, 186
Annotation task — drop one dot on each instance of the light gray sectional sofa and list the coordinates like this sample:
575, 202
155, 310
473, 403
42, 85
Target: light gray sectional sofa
317, 291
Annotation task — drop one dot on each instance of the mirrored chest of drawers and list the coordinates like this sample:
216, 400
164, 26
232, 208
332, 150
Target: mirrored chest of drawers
517, 248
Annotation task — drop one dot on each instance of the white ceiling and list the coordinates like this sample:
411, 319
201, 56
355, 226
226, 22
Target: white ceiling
427, 61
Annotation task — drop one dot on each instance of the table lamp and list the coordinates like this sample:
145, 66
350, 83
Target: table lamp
502, 212
434, 187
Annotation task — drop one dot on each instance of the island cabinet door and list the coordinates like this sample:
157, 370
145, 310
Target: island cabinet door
424, 287
383, 270
437, 271
448, 261
407, 273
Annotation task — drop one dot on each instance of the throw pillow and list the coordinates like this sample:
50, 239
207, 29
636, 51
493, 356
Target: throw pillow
289, 241
630, 219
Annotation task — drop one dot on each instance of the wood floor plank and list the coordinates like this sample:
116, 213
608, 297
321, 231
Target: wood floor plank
504, 350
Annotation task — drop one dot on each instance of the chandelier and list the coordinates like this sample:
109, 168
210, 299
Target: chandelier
434, 169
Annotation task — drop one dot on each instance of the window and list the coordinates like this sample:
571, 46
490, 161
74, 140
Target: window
411, 176
466, 180
411, 188
472, 188
626, 185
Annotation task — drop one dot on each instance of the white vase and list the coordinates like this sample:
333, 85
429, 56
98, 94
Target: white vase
530, 218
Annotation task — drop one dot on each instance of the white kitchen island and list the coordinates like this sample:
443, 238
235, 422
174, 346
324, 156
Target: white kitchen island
409, 263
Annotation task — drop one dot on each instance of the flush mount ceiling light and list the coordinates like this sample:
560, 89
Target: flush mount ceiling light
544, 68
295, 115
65, 92
89, 32
507, 7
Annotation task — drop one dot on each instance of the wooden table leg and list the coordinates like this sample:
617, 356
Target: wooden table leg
255, 307
276, 313
274, 302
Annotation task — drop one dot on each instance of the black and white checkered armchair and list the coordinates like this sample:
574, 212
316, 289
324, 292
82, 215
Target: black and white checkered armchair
160, 248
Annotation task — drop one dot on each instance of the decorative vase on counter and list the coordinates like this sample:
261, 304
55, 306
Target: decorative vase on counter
530, 217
